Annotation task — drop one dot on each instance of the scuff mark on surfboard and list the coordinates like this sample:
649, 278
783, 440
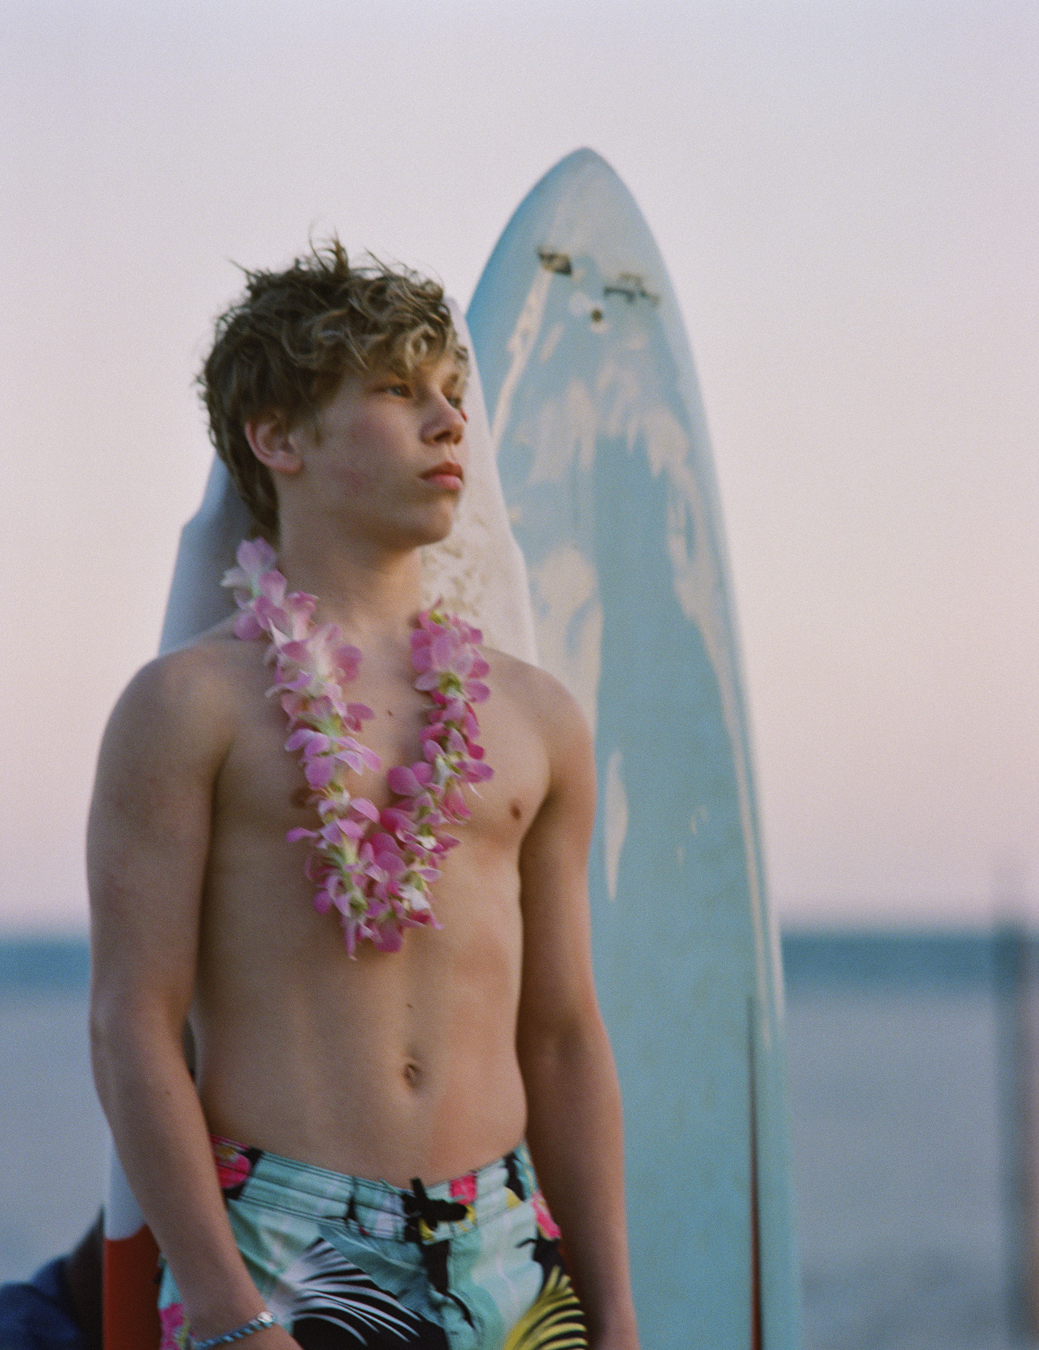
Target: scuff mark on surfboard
551, 342
519, 346
568, 613
554, 262
632, 287
615, 805
561, 435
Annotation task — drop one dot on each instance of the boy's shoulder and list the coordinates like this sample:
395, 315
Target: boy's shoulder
195, 690
207, 664
522, 680
539, 696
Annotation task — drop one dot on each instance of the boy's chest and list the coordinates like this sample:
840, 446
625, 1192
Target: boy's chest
263, 786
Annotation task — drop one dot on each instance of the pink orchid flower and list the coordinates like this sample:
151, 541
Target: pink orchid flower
375, 867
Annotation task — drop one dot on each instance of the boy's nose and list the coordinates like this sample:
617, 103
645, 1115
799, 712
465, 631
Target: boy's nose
449, 423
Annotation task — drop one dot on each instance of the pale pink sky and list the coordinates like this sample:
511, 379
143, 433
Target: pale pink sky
846, 195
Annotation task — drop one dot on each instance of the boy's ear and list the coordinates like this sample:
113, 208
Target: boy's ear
273, 444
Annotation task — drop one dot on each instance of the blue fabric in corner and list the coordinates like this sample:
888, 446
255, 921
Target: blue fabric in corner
38, 1315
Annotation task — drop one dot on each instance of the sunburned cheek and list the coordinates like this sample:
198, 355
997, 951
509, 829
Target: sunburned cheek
355, 481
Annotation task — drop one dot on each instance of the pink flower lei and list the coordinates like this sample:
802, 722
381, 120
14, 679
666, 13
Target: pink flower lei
375, 867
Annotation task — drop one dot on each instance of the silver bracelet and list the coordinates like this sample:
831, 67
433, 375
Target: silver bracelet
258, 1323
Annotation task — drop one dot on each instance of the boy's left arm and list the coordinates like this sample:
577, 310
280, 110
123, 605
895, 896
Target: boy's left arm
574, 1125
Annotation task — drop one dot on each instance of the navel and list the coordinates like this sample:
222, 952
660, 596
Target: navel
412, 1073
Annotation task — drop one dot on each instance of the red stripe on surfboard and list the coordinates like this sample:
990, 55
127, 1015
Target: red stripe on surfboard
131, 1295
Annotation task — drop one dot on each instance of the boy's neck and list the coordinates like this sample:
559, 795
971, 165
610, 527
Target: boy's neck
372, 594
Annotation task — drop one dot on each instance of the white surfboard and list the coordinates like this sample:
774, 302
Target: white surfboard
603, 453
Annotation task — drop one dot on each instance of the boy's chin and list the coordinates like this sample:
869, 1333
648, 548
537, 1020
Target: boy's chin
436, 537
436, 530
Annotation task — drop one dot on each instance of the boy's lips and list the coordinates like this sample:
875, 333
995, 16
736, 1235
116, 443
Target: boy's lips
447, 474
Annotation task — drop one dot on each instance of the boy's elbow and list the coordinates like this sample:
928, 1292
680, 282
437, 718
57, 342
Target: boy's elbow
125, 1033
563, 1040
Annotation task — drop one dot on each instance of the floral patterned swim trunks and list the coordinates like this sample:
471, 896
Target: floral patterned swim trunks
469, 1264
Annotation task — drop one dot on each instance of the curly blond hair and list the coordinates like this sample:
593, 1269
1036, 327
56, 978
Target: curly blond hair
286, 344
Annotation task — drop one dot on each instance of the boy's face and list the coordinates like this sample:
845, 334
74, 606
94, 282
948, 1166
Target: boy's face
388, 452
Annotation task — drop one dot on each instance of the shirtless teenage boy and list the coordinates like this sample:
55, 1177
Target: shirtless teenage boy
332, 1081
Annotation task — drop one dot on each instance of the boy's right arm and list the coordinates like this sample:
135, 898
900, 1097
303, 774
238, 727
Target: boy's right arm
148, 841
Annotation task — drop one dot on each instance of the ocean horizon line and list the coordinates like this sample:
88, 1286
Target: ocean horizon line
813, 956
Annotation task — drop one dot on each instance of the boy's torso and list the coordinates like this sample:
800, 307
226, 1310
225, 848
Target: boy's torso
393, 1065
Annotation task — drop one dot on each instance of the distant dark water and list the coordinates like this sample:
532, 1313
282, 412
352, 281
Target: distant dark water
893, 1051
28, 964
811, 960
867, 960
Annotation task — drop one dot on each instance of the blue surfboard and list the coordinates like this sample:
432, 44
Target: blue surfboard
603, 453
